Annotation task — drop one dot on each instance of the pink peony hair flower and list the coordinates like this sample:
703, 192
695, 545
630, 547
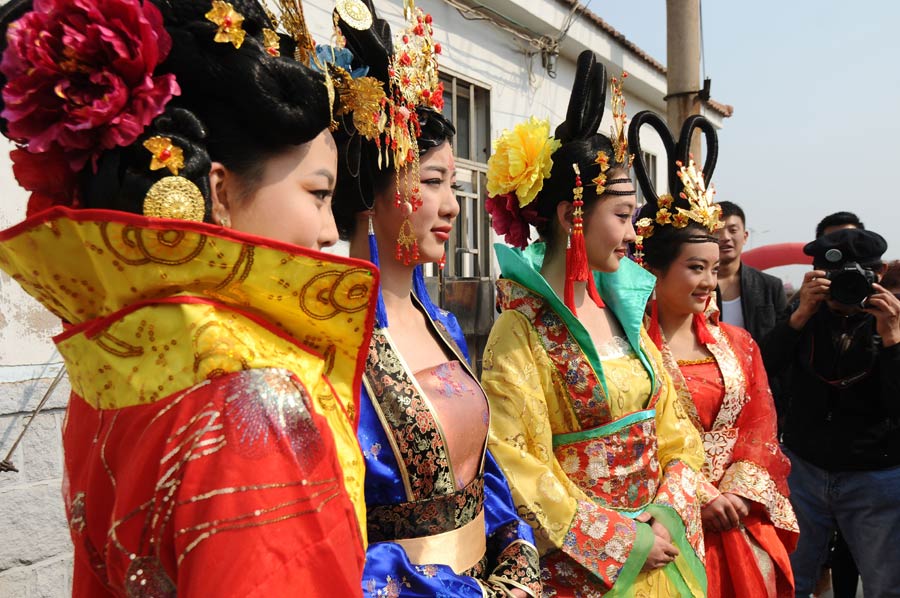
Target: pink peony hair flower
80, 76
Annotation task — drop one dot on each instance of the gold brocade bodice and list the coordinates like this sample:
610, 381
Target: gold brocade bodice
154, 307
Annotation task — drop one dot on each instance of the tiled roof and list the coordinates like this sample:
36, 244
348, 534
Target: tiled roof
725, 110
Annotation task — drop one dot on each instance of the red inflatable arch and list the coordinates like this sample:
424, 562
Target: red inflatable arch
779, 254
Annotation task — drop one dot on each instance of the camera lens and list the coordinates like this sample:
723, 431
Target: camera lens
850, 287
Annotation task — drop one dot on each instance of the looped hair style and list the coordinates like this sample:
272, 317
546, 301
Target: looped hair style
580, 141
237, 106
361, 175
663, 246
676, 151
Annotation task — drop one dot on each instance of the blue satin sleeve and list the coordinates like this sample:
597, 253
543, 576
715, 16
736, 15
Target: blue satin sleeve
499, 510
388, 572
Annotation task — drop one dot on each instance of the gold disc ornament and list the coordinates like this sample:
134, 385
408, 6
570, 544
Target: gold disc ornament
355, 13
175, 197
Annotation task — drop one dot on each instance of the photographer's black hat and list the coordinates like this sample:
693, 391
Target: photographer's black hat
846, 245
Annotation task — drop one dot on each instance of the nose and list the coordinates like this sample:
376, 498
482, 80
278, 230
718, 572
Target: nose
449, 208
629, 232
328, 233
711, 279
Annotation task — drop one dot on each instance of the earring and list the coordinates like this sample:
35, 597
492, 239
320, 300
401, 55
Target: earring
224, 221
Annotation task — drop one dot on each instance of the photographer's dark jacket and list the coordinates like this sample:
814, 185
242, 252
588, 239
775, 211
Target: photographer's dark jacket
844, 408
762, 301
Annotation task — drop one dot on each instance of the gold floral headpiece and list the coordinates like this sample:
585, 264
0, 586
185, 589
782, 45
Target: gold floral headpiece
701, 209
618, 133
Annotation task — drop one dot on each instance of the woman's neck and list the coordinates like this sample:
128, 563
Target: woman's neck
675, 326
396, 278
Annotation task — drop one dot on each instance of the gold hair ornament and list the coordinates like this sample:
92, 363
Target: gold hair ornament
172, 196
229, 21
618, 133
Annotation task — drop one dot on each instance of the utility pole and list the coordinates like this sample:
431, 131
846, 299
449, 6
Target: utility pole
683, 69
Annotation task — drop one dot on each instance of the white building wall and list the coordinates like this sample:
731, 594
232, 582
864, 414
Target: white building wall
35, 552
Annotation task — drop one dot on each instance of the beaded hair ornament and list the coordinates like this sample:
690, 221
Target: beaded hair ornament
382, 107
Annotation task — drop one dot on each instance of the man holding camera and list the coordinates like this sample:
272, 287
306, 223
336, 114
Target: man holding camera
842, 425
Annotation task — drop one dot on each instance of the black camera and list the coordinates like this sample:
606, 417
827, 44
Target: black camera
851, 283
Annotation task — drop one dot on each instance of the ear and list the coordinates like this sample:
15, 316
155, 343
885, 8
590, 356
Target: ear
746, 235
564, 211
221, 195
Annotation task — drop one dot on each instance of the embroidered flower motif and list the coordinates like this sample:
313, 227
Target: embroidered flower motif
522, 160
80, 76
230, 22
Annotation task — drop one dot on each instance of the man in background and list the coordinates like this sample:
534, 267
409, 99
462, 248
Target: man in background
747, 297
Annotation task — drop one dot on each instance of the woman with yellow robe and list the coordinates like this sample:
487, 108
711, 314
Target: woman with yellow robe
601, 458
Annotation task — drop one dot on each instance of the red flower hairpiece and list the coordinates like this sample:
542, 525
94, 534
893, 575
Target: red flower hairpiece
80, 79
511, 220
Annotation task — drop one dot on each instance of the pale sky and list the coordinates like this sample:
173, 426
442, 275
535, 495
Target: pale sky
816, 91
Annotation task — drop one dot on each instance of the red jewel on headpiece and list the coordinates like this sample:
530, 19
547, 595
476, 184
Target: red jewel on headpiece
437, 48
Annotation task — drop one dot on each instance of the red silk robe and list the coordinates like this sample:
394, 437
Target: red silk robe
729, 401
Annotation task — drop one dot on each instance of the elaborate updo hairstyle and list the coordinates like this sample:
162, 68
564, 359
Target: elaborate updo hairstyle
580, 144
236, 105
362, 174
662, 247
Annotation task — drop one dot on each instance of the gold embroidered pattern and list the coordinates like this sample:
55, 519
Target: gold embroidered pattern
754, 483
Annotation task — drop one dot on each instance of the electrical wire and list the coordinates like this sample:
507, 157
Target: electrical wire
702, 45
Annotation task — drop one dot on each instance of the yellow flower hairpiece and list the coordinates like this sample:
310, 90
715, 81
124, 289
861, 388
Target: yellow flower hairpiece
522, 160
229, 21
165, 154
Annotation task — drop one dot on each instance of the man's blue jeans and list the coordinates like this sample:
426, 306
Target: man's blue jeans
865, 505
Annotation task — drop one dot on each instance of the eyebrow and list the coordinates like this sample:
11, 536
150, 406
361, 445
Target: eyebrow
325, 173
437, 168
697, 258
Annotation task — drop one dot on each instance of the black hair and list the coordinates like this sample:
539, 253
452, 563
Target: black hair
838, 219
664, 245
580, 144
237, 106
729, 209
363, 169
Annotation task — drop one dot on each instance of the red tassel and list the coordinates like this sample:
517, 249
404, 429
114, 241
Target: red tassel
653, 331
569, 286
577, 255
594, 294
704, 336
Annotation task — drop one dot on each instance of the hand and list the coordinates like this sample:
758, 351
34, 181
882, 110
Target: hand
661, 554
812, 292
886, 308
658, 528
660, 531
740, 504
719, 515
